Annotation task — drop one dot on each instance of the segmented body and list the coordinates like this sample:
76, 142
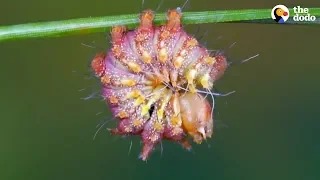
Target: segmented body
150, 79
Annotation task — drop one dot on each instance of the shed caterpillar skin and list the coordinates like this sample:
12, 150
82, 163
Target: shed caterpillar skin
150, 79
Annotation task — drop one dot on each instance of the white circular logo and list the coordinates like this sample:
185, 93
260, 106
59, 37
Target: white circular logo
280, 13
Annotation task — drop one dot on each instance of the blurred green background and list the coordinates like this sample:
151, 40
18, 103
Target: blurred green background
273, 118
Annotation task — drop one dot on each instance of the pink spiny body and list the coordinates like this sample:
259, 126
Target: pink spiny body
150, 80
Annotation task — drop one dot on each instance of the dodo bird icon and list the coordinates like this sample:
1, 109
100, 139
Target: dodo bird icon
280, 13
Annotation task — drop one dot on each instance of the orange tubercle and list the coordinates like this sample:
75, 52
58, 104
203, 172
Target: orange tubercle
97, 64
174, 20
117, 34
146, 19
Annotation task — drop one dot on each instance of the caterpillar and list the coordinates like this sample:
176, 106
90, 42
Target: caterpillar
153, 80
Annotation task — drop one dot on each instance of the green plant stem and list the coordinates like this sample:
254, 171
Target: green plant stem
104, 24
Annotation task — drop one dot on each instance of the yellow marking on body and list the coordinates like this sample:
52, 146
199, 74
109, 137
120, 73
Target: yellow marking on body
122, 114
176, 120
146, 57
155, 97
158, 126
139, 101
105, 79
137, 122
210, 60
114, 99
167, 96
144, 109
191, 74
133, 94
148, 82
134, 67
178, 62
204, 80
176, 104
163, 55
128, 82
192, 88
192, 43
160, 113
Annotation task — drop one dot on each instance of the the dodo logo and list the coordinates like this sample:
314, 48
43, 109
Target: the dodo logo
280, 13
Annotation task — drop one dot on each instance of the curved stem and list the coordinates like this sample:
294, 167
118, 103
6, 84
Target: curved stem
103, 24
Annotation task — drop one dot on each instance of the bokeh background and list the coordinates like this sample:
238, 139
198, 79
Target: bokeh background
268, 129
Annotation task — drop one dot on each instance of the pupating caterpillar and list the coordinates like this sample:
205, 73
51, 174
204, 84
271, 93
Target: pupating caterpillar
153, 79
